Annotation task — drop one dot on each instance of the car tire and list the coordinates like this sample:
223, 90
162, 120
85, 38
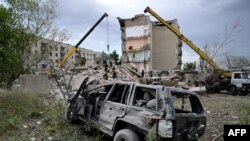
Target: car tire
232, 90
126, 135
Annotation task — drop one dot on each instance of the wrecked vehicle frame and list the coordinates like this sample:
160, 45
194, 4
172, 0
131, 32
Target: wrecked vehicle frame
128, 110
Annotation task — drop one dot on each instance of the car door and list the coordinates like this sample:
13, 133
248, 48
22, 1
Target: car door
237, 80
114, 105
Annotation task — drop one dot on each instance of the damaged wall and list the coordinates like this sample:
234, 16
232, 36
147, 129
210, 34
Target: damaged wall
148, 45
136, 42
166, 50
34, 84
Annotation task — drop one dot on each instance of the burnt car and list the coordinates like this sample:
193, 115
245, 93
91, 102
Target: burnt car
128, 110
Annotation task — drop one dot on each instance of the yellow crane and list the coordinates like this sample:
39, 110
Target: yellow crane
202, 54
66, 57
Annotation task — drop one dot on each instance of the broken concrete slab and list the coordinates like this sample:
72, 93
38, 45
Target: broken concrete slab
34, 84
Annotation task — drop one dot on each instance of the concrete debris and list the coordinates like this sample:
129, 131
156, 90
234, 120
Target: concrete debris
25, 126
122, 73
50, 138
234, 117
33, 139
95, 75
38, 122
198, 89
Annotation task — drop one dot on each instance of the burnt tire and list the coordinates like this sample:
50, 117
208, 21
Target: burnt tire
232, 90
126, 135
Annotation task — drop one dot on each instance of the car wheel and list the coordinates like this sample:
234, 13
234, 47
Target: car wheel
126, 135
232, 90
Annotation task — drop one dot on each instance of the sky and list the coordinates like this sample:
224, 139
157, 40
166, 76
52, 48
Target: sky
202, 21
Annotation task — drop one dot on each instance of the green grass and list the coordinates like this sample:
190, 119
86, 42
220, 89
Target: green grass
18, 109
244, 109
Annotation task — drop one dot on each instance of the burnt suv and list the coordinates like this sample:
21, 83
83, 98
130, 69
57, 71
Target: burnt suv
128, 110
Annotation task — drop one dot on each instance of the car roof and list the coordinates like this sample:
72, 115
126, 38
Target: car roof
172, 89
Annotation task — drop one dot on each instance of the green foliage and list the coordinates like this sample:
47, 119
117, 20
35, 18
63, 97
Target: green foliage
151, 135
114, 56
244, 109
22, 23
9, 51
189, 66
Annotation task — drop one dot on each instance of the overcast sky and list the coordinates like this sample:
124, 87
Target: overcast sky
202, 21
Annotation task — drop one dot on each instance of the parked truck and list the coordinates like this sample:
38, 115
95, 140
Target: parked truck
128, 111
233, 82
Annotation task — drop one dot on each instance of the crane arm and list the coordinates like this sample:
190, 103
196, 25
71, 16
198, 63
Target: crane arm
202, 54
71, 51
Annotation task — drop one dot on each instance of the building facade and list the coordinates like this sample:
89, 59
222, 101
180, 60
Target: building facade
148, 45
51, 53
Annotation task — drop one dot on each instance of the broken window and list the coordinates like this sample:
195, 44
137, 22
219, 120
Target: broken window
119, 93
103, 90
185, 103
145, 97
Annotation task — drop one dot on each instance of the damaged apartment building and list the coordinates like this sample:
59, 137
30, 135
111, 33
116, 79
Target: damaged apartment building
148, 45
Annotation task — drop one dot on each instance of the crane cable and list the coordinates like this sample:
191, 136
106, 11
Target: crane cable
107, 30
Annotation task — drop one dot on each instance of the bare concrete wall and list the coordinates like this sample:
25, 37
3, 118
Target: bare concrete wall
34, 84
164, 48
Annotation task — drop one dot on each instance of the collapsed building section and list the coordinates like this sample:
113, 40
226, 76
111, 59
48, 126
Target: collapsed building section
148, 45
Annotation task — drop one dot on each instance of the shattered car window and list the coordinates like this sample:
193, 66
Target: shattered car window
181, 103
145, 97
185, 103
119, 93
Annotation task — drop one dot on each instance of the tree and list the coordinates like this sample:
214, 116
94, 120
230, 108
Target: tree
216, 49
9, 47
26, 23
189, 66
233, 61
114, 56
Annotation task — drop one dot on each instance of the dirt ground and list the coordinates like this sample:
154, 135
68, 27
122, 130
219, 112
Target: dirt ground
221, 109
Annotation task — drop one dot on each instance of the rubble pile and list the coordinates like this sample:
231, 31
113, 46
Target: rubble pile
71, 80
58, 87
